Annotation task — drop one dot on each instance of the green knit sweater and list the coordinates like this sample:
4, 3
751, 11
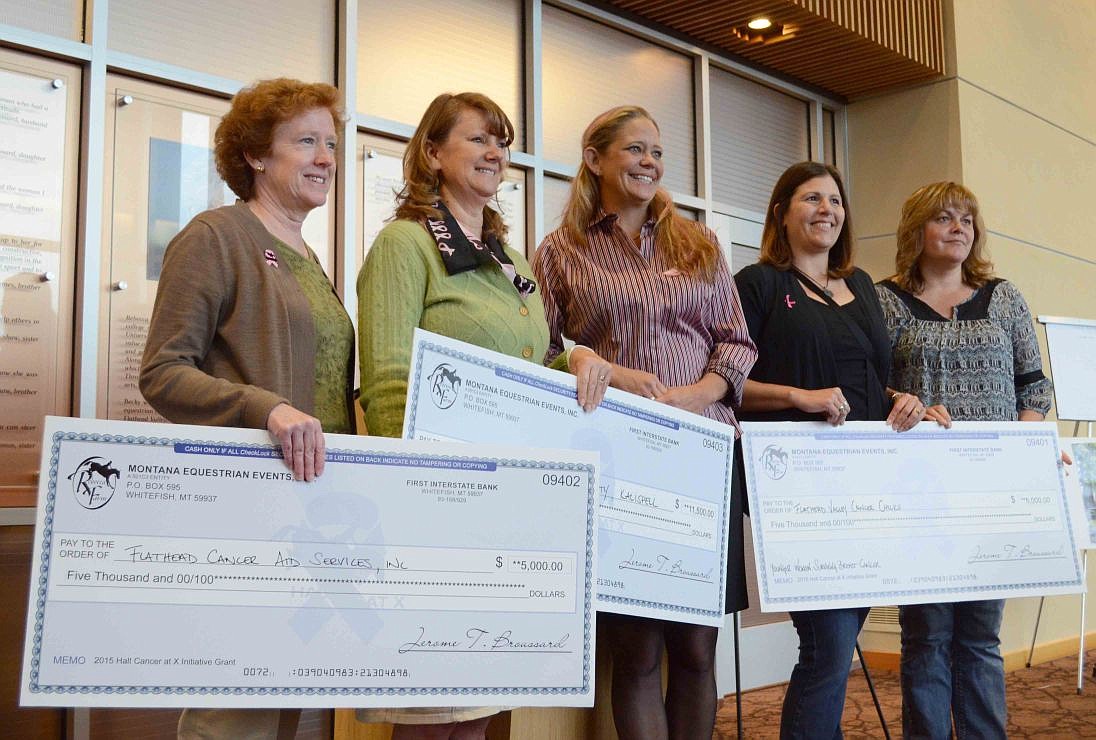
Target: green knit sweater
402, 285
232, 334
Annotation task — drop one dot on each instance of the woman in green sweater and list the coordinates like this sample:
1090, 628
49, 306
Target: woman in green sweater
467, 285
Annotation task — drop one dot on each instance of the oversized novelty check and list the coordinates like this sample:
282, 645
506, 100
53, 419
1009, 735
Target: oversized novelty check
665, 473
182, 566
1081, 486
863, 516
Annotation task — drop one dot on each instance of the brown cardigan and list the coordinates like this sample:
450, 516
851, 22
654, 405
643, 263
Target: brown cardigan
231, 335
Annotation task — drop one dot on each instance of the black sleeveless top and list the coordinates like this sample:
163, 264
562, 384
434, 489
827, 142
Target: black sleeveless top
804, 343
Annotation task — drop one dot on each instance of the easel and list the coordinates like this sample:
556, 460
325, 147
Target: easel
1084, 598
738, 684
1073, 376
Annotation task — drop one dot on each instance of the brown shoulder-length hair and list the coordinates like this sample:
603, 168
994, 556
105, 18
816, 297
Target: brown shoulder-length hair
248, 127
678, 239
775, 249
421, 182
921, 207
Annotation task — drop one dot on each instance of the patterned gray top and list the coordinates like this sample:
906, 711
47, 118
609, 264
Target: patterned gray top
983, 363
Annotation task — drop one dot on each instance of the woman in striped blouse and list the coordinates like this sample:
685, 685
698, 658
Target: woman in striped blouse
649, 290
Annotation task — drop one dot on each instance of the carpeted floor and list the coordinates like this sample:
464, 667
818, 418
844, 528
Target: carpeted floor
1042, 701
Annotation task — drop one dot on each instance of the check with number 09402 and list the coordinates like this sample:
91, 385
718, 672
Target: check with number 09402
182, 566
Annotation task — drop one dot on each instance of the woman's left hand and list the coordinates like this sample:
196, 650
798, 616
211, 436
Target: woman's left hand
940, 414
906, 412
697, 396
593, 375
301, 438
687, 397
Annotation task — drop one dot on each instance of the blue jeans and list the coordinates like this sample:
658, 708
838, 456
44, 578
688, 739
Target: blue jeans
951, 664
815, 698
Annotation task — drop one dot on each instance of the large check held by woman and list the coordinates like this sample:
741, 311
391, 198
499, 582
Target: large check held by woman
182, 566
863, 516
665, 473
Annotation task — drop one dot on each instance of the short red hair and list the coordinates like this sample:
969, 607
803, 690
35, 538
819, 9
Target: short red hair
248, 127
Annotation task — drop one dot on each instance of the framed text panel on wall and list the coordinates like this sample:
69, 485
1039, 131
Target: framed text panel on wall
39, 125
556, 192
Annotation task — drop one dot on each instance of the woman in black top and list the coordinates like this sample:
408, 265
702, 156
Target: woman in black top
823, 354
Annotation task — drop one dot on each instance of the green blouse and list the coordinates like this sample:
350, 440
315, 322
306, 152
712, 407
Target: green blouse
334, 339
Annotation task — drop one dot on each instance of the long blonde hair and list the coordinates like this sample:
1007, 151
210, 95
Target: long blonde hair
917, 211
681, 242
421, 183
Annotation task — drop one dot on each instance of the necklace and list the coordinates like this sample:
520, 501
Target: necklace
824, 288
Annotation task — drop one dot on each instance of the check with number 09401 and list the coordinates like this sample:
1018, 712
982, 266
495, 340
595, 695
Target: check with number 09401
860, 515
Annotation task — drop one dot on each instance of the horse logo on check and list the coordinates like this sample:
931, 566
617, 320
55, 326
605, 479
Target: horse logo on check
774, 461
444, 385
94, 481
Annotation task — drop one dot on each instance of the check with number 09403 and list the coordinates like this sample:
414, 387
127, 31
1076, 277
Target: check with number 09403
664, 499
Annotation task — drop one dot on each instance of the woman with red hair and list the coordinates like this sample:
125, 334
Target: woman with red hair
247, 330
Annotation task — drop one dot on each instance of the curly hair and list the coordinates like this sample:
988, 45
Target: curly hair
248, 127
775, 249
918, 210
678, 239
421, 182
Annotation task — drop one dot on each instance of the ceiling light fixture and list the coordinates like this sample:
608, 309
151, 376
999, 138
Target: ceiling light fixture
759, 30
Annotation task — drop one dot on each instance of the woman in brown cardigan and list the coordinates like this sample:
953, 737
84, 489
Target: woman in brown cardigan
247, 330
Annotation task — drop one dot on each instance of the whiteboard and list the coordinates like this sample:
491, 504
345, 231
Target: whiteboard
1071, 345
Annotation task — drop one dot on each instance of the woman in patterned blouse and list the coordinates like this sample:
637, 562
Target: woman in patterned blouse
965, 343
649, 291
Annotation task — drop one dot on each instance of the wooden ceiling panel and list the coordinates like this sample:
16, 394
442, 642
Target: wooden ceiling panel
851, 48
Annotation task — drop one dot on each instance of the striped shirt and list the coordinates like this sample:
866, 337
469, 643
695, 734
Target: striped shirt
634, 309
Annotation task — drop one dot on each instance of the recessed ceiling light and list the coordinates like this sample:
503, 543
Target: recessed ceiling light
760, 30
